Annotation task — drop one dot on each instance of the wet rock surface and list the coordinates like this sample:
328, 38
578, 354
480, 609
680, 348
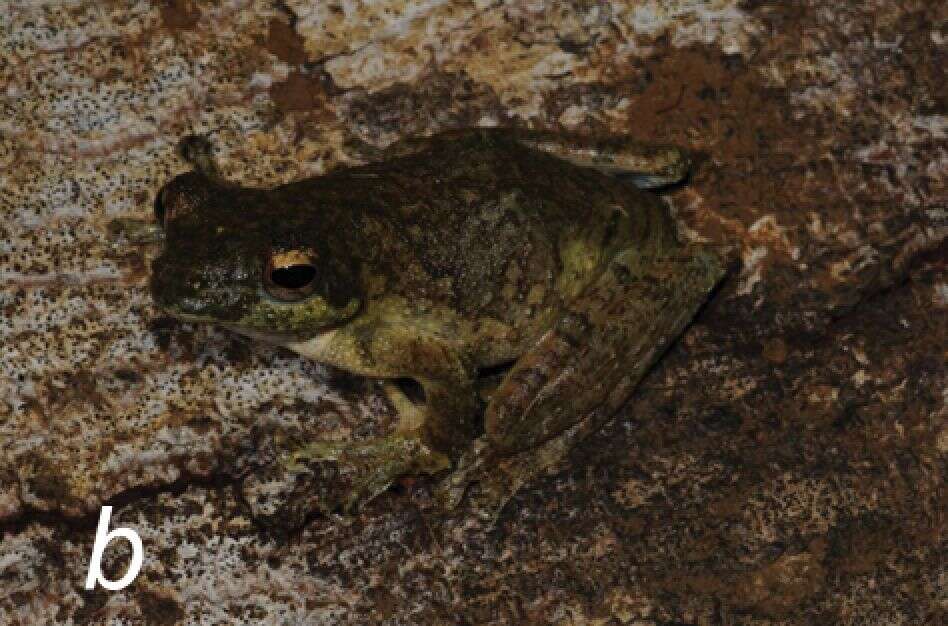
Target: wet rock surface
783, 464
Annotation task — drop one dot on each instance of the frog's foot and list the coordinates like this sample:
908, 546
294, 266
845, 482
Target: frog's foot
369, 468
469, 469
489, 481
485, 485
490, 492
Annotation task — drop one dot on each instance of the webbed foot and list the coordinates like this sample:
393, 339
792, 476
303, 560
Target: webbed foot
486, 482
369, 468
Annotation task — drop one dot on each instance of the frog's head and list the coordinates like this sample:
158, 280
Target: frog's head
249, 260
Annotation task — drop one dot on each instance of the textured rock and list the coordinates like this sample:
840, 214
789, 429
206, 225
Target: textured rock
783, 464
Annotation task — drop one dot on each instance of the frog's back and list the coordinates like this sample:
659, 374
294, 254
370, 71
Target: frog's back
482, 225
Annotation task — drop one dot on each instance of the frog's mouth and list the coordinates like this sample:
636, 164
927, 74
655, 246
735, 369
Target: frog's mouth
274, 338
277, 330
188, 317
270, 337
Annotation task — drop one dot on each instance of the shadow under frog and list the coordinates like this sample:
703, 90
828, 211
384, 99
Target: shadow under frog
445, 257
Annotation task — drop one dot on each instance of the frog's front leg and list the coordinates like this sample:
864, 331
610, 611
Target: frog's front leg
582, 370
370, 466
428, 433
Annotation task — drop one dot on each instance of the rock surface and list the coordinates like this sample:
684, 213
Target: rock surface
784, 464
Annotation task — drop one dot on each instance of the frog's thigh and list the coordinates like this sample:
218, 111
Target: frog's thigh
600, 348
648, 165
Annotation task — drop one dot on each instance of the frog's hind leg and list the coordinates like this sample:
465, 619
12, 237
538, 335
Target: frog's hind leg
580, 372
649, 166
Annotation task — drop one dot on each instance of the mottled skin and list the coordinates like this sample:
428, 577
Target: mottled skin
449, 255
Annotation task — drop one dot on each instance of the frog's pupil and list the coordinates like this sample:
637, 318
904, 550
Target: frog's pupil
293, 276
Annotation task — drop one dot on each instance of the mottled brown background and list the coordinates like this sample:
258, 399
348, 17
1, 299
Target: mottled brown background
784, 464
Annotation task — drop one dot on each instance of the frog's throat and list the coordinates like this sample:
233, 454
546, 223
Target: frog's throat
308, 317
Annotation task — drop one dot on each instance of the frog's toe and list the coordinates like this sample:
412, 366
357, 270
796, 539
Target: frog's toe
482, 482
369, 468
450, 491
483, 492
371, 483
489, 496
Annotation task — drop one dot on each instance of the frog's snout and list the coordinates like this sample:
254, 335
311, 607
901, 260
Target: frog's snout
186, 296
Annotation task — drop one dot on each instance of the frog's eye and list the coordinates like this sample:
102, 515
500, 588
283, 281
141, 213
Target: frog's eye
291, 275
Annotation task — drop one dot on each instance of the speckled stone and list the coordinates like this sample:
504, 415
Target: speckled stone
784, 464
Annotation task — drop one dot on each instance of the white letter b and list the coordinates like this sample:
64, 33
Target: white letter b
102, 538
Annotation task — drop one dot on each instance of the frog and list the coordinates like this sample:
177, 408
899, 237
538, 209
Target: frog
509, 288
